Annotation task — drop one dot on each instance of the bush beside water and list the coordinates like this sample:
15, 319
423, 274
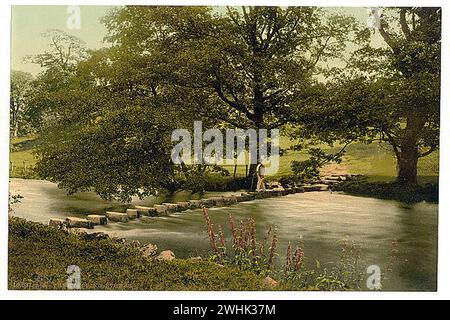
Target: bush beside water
392, 190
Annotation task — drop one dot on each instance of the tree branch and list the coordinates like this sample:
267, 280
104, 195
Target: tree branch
404, 24
429, 151
386, 36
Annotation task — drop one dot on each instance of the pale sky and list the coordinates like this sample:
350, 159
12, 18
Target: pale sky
29, 22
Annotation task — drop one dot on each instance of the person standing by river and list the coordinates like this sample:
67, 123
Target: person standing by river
260, 185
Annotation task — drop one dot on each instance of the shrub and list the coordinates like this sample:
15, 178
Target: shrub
409, 193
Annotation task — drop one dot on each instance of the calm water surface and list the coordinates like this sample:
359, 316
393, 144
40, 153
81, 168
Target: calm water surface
319, 219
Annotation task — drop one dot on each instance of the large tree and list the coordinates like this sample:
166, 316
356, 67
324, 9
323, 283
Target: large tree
106, 127
415, 55
243, 66
388, 93
111, 120
59, 63
19, 93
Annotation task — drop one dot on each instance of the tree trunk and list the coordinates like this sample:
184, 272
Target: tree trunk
407, 165
408, 151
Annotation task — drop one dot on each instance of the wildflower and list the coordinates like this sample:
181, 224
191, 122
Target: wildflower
298, 257
211, 234
288, 256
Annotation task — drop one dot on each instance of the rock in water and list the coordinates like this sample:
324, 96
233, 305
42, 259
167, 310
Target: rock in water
97, 219
75, 222
166, 255
132, 213
117, 216
161, 209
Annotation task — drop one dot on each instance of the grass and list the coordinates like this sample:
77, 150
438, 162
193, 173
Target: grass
376, 161
39, 257
21, 158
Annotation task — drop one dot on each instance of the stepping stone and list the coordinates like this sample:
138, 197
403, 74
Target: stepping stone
321, 187
183, 205
75, 222
196, 204
276, 193
290, 191
171, 207
117, 216
208, 203
248, 196
97, 219
56, 222
316, 187
266, 194
132, 213
259, 195
146, 211
230, 200
334, 178
161, 210
256, 195
328, 182
147, 218
217, 201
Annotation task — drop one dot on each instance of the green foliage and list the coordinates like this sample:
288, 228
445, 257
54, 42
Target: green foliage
247, 65
12, 199
21, 86
59, 63
39, 256
166, 67
389, 94
409, 193
310, 169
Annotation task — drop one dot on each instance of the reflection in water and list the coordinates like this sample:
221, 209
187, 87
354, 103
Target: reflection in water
320, 219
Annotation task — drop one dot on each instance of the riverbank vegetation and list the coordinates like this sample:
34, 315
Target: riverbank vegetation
392, 190
376, 162
260, 256
39, 255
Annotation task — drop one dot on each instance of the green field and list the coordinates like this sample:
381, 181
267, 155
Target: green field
22, 159
375, 160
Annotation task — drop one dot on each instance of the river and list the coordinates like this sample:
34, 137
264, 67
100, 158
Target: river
319, 219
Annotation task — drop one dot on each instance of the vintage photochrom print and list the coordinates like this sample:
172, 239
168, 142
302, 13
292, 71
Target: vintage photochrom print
224, 148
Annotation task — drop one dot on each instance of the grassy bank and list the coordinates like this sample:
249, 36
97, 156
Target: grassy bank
376, 161
39, 257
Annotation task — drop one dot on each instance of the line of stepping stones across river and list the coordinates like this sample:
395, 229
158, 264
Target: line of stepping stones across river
166, 209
